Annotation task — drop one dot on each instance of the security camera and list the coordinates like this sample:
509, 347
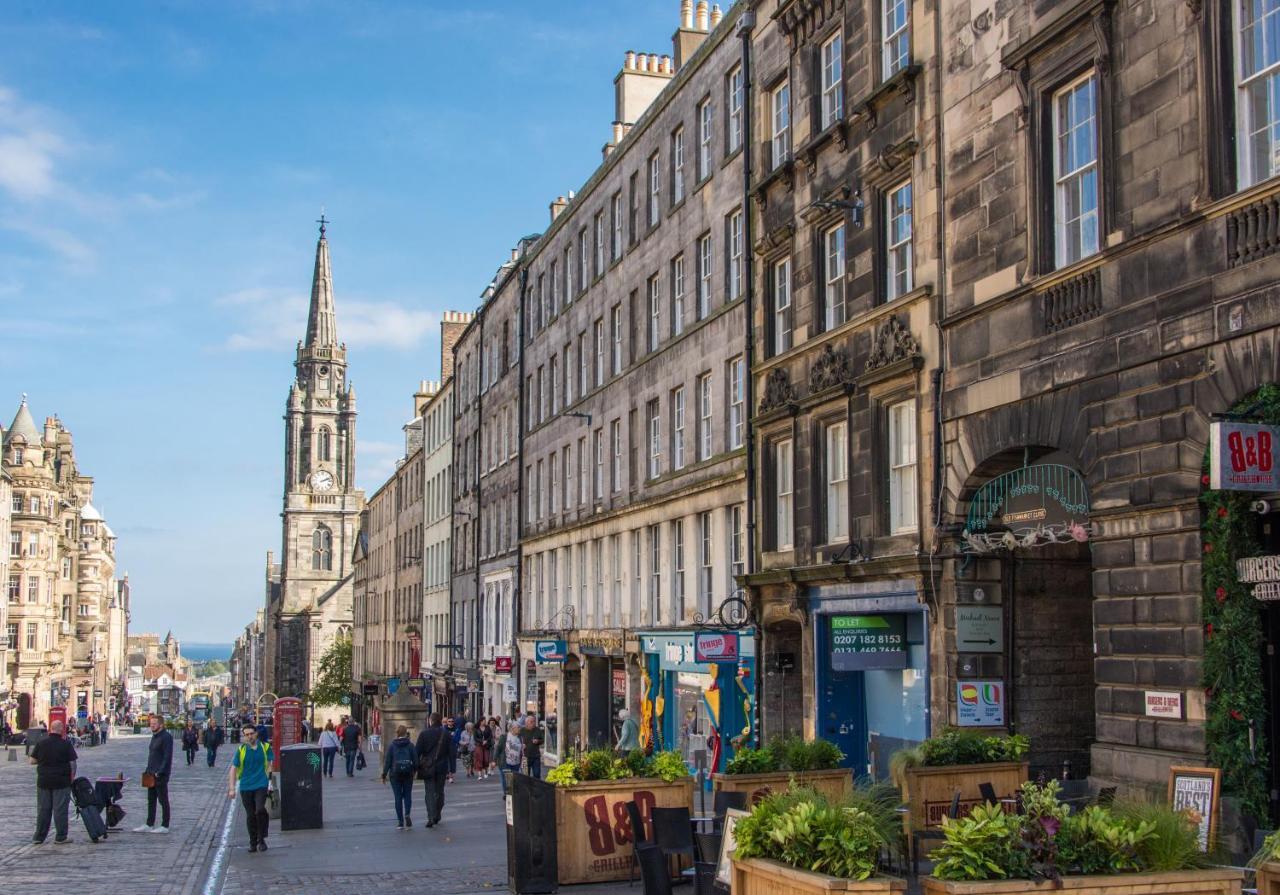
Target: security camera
1261, 507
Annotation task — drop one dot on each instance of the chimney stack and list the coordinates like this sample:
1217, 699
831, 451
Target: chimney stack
557, 207
689, 36
452, 325
642, 78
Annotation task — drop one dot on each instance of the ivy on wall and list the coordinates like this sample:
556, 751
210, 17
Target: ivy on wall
1233, 672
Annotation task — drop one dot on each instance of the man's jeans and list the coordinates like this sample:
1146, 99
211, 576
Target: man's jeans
329, 753
350, 756
535, 767
211, 753
256, 817
434, 786
51, 804
158, 793
402, 791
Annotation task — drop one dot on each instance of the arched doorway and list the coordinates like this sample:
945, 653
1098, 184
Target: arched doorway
1023, 622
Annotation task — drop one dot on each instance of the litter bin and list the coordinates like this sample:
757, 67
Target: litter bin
531, 836
301, 788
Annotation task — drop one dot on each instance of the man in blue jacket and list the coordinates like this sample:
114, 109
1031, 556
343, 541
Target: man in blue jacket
159, 766
437, 763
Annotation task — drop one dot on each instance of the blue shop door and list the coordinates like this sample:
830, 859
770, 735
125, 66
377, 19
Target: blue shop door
843, 716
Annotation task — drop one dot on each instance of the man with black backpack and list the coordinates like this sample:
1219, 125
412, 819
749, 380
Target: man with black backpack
437, 762
399, 764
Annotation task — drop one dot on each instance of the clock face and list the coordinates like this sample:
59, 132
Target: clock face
322, 480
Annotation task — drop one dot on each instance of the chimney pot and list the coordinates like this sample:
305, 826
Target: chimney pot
631, 60
666, 65
642, 61
617, 132
702, 15
716, 15
686, 13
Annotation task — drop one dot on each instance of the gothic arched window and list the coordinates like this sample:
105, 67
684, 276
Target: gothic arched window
322, 444
322, 549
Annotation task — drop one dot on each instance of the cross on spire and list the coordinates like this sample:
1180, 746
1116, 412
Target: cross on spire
322, 221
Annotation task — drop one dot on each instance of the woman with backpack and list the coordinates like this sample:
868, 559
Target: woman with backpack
510, 753
398, 767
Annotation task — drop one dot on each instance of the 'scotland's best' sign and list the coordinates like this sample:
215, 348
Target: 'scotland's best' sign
1242, 457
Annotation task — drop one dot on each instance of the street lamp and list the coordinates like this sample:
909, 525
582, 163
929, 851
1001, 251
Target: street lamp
854, 206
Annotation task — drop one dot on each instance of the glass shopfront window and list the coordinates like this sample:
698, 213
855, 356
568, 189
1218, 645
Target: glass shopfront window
692, 719
551, 715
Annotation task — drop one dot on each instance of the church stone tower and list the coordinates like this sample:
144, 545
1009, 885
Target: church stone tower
313, 604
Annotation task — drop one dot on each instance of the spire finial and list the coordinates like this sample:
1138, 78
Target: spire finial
322, 221
24, 397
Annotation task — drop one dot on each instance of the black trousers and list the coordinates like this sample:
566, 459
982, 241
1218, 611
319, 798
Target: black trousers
256, 817
158, 793
434, 784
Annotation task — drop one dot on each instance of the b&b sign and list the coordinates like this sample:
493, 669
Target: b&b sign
1242, 457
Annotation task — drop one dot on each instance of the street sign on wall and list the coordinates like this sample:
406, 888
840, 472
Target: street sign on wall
1242, 456
980, 704
861, 642
979, 629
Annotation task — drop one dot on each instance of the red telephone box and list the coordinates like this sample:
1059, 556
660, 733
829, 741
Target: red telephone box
286, 726
56, 714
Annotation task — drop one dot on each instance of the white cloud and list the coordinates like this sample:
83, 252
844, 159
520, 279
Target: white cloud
272, 319
28, 149
376, 460
73, 250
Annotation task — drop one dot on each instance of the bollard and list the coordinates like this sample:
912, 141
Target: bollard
13, 754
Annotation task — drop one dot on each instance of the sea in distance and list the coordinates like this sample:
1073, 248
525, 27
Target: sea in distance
205, 652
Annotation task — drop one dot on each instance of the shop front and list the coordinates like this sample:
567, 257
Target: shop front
540, 687
872, 673
697, 693
602, 684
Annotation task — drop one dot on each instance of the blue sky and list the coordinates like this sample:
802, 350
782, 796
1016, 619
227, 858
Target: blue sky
161, 167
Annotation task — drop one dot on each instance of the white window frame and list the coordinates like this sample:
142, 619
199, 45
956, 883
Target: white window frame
784, 494
615, 245
1071, 240
733, 88
655, 312
677, 570
677, 165
832, 80
706, 118
655, 439
677, 428
704, 416
895, 36
678, 284
706, 262
706, 560
735, 254
737, 401
655, 188
598, 437
584, 261
779, 124
781, 287
899, 230
837, 475
599, 230
615, 455
1254, 167
553, 482
584, 472
599, 325
902, 467
833, 241
737, 543
655, 574
615, 319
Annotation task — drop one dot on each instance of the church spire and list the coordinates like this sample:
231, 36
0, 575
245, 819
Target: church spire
322, 325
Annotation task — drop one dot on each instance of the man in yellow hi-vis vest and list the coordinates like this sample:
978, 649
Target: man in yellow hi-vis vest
251, 774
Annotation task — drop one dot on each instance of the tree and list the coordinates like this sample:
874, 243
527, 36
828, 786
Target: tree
334, 680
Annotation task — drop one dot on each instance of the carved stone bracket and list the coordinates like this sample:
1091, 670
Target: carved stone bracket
831, 369
891, 157
893, 343
778, 390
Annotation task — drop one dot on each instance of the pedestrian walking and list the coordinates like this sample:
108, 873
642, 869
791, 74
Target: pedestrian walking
510, 751
190, 741
629, 736
351, 745
212, 740
55, 761
250, 773
532, 736
437, 763
159, 766
399, 763
467, 747
483, 748
329, 744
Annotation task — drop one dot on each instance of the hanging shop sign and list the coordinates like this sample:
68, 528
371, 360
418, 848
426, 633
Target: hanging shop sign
502, 664
1242, 456
1263, 572
980, 704
417, 684
862, 642
550, 650
1163, 704
979, 629
715, 646
1043, 503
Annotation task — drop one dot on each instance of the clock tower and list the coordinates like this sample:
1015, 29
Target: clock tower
313, 604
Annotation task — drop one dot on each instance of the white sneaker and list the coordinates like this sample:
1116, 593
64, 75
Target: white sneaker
142, 829
160, 830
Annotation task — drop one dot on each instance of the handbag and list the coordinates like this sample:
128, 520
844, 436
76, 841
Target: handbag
148, 779
361, 764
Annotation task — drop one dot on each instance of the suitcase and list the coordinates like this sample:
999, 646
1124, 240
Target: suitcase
89, 809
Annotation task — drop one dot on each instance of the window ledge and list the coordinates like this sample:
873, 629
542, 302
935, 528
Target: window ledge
901, 83
783, 173
731, 155
837, 131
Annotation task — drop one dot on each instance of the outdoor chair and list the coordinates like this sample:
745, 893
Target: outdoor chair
673, 833
709, 846
988, 793
653, 869
637, 836
917, 836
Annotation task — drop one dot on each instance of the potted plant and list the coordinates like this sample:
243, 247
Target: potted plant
1266, 864
800, 842
930, 773
1126, 849
593, 831
785, 761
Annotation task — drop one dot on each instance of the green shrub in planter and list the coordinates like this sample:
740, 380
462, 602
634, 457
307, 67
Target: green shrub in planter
804, 830
752, 761
957, 746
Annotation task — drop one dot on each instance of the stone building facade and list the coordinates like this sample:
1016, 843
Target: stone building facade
322, 504
635, 412
1110, 199
438, 522
61, 593
845, 243
8, 704
246, 664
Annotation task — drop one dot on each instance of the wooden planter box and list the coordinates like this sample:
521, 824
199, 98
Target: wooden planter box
1268, 879
929, 791
593, 841
1181, 882
756, 876
834, 784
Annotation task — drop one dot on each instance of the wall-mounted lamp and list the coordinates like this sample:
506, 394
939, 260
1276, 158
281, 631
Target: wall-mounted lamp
579, 414
854, 206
